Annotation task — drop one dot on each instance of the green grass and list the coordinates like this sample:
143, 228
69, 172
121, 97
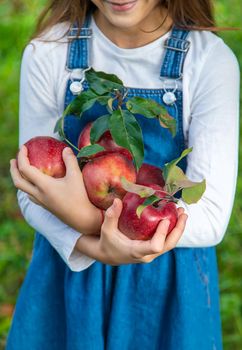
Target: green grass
230, 263
16, 237
16, 22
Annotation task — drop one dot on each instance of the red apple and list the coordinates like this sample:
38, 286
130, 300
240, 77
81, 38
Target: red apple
102, 177
150, 174
143, 228
106, 141
45, 153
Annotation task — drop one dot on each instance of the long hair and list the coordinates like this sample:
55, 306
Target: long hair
193, 14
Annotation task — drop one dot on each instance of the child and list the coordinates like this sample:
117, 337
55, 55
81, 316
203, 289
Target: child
88, 286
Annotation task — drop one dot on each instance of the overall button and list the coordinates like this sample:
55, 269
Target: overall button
169, 98
76, 87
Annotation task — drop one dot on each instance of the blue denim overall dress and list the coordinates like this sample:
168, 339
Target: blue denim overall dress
169, 304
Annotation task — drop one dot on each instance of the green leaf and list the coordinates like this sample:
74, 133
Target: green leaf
167, 122
167, 170
142, 191
191, 191
149, 201
176, 180
127, 133
90, 150
186, 183
100, 125
194, 193
59, 125
103, 100
110, 104
145, 106
82, 103
176, 176
151, 109
67, 110
102, 82
62, 135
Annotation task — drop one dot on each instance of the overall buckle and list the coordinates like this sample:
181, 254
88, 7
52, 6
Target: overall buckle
85, 33
174, 43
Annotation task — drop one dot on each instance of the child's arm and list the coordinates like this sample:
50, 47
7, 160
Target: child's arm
41, 104
213, 133
60, 235
111, 247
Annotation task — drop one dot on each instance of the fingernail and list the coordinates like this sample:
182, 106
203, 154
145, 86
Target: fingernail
68, 150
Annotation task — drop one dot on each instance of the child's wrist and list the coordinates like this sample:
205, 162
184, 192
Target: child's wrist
97, 221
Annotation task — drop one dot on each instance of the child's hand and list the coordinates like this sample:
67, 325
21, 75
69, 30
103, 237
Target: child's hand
114, 248
65, 197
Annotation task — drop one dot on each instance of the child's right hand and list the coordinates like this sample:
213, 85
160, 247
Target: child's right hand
114, 248
65, 197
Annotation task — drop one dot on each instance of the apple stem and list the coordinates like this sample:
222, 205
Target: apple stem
119, 96
164, 201
172, 193
126, 91
172, 200
61, 131
71, 144
169, 197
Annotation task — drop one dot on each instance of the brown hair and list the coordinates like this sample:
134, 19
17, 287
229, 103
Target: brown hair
192, 14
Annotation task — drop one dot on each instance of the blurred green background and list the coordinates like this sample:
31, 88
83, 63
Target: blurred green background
17, 20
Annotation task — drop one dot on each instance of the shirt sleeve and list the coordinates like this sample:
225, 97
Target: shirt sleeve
38, 114
213, 133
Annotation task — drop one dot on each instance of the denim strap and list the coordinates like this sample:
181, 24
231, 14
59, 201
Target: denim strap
78, 53
176, 49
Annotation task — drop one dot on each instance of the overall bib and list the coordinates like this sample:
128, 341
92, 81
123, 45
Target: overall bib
169, 304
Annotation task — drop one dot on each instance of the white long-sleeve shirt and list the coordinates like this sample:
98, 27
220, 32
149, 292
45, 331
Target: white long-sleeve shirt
210, 121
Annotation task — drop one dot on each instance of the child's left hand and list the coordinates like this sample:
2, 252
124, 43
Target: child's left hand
65, 197
114, 248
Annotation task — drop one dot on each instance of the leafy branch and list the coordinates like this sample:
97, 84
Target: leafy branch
175, 181
108, 90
